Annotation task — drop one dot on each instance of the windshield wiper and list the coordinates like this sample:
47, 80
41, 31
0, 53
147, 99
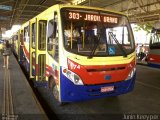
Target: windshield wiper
96, 44
119, 45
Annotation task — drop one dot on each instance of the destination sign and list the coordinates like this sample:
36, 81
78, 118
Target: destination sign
92, 17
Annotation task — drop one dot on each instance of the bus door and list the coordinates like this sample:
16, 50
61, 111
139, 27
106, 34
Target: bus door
21, 54
40, 50
32, 44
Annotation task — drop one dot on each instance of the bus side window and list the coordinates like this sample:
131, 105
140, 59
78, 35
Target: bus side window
26, 34
21, 37
50, 37
52, 42
55, 37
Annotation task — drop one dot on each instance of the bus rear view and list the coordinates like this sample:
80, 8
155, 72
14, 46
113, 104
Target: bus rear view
153, 58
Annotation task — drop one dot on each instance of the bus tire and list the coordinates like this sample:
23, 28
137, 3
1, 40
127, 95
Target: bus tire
53, 88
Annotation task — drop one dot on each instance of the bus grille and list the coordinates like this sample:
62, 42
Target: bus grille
105, 69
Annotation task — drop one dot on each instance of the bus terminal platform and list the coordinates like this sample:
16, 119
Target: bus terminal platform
17, 101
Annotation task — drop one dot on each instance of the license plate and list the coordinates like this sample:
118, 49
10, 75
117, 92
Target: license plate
107, 89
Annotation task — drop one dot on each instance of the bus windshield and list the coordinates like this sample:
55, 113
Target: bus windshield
96, 33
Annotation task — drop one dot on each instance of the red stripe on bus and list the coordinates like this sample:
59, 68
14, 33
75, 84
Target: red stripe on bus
101, 74
154, 58
26, 52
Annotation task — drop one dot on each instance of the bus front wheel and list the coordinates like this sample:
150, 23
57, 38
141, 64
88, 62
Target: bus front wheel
53, 87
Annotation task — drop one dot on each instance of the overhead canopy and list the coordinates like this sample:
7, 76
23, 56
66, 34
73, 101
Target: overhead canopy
20, 11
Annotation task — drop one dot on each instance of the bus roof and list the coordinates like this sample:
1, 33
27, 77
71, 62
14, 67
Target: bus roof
59, 6
89, 7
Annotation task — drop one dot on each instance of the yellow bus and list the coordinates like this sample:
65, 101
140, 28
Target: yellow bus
79, 52
15, 43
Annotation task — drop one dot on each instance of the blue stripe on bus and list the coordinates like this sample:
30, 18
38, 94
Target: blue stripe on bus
71, 92
40, 83
154, 65
21, 54
26, 64
33, 72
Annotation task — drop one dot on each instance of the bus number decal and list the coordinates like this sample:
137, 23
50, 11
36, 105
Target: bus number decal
72, 65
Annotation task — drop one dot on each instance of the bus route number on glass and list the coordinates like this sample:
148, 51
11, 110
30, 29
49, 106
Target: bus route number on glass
92, 17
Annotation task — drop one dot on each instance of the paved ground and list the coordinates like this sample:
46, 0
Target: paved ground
17, 93
144, 99
1, 82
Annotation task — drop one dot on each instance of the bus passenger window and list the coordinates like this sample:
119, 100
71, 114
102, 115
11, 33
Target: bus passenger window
52, 38
55, 36
26, 34
21, 37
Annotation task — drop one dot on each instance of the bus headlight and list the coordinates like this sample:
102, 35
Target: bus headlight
131, 74
72, 76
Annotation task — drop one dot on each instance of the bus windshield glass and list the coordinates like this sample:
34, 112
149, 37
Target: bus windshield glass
96, 33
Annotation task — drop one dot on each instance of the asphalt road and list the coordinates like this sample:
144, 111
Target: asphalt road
143, 100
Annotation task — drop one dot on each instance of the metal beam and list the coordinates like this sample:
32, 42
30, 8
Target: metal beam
32, 11
27, 15
147, 19
114, 3
40, 3
141, 6
27, 5
23, 7
157, 12
13, 13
